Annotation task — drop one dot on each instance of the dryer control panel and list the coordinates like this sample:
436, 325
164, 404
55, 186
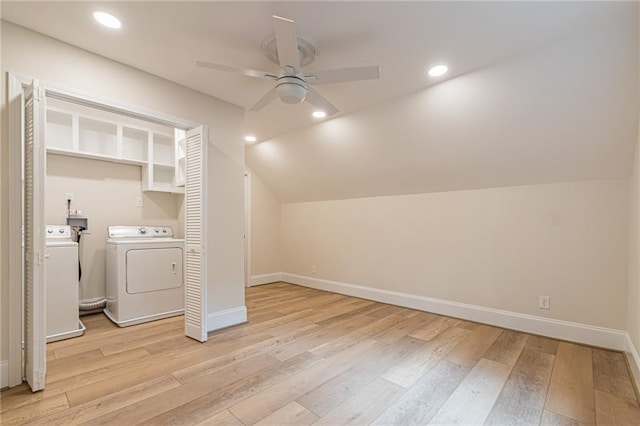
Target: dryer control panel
58, 232
125, 232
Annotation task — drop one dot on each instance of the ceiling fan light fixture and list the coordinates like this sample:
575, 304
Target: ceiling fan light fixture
319, 114
438, 70
107, 19
291, 90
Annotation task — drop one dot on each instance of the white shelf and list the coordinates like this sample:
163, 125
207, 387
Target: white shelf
134, 143
59, 129
86, 134
97, 137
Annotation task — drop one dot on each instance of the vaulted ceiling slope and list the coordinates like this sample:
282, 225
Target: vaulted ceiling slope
564, 111
537, 91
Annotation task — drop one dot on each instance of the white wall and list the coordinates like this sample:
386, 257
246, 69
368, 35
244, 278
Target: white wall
266, 246
498, 248
106, 193
633, 295
33, 54
633, 290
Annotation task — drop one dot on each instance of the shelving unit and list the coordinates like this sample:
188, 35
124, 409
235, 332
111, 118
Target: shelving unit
181, 157
155, 148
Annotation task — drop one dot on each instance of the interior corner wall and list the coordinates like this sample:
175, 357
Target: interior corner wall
633, 296
266, 247
497, 248
33, 54
97, 186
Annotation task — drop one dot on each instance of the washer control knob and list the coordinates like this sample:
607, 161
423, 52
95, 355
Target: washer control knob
49, 230
157, 231
164, 230
142, 230
61, 230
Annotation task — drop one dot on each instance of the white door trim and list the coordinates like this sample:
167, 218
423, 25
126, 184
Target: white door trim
16, 142
247, 229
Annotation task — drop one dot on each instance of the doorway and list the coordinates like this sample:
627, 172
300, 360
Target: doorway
25, 90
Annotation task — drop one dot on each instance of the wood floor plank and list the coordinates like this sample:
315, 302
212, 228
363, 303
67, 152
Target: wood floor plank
472, 401
434, 327
401, 329
36, 410
347, 339
264, 403
421, 402
408, 371
571, 388
318, 338
521, 401
98, 407
222, 397
507, 348
543, 344
616, 410
174, 398
363, 407
195, 371
610, 373
336, 390
292, 414
549, 418
474, 346
223, 418
94, 364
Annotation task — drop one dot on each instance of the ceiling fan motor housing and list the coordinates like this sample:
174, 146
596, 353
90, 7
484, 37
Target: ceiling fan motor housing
291, 89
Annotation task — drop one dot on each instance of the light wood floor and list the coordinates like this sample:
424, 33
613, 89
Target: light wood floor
308, 356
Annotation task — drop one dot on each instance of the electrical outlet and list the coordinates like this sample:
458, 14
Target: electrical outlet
544, 302
68, 196
139, 202
314, 269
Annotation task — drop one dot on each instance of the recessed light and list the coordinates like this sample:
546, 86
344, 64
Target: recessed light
107, 19
250, 138
319, 114
438, 70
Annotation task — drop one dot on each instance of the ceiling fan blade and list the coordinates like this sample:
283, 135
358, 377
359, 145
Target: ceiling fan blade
268, 97
243, 71
316, 99
344, 74
287, 42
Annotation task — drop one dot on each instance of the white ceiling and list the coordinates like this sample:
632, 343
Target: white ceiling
538, 92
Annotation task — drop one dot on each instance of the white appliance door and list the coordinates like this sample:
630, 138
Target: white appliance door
34, 242
154, 269
195, 312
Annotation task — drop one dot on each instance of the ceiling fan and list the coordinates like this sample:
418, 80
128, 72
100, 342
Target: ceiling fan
292, 86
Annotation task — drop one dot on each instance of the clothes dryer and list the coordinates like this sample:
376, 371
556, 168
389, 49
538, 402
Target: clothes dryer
145, 279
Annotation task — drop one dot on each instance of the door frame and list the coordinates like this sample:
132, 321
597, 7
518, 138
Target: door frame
16, 84
247, 228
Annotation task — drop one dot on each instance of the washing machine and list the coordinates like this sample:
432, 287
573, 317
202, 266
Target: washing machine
61, 285
145, 279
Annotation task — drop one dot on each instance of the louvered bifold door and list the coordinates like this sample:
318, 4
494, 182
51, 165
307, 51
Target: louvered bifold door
195, 314
34, 244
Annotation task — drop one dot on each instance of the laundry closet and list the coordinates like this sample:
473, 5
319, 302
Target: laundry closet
104, 170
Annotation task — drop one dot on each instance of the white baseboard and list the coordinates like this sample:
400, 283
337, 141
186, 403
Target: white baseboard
4, 374
564, 330
265, 279
226, 318
634, 360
